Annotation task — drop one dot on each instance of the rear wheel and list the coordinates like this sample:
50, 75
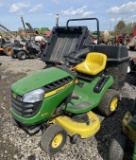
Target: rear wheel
117, 147
7, 48
53, 139
109, 102
8, 51
22, 55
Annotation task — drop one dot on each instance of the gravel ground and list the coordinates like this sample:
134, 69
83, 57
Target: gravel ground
15, 144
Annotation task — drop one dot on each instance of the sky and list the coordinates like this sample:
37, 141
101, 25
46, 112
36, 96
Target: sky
42, 13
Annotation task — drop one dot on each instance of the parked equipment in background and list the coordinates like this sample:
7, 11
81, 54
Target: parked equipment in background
32, 49
132, 42
5, 44
32, 30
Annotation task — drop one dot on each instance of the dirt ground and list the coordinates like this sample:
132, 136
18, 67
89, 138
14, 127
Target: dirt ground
16, 144
11, 71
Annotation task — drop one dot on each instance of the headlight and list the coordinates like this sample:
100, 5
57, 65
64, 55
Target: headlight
34, 96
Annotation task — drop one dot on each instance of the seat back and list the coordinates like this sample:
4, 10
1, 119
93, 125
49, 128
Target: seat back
96, 58
94, 63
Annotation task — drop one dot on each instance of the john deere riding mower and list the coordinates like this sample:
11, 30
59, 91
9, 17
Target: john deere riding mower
59, 99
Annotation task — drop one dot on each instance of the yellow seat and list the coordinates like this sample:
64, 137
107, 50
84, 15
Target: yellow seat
94, 63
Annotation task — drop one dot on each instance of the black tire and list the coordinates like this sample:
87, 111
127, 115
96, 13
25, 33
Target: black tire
117, 147
8, 50
22, 55
109, 102
48, 143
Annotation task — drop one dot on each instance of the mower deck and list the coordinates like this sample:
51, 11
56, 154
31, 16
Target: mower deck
83, 129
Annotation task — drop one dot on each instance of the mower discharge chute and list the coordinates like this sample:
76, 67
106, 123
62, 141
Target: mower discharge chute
59, 99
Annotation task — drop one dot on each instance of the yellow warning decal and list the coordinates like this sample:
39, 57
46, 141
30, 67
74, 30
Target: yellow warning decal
57, 90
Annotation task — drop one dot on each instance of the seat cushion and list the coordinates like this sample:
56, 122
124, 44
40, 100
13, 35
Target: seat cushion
94, 63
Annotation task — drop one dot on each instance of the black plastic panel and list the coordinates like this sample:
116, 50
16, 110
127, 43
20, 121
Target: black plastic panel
63, 41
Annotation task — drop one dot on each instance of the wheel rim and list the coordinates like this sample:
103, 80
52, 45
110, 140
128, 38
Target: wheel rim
57, 141
114, 104
9, 51
23, 56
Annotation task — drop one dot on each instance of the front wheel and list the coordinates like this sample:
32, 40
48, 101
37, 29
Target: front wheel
117, 147
53, 139
109, 102
22, 55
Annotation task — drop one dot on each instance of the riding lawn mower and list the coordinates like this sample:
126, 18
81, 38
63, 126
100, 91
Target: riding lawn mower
60, 98
31, 49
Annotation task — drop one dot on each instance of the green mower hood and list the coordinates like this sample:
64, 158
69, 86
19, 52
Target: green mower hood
38, 80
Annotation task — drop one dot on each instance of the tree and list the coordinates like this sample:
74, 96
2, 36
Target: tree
120, 26
128, 28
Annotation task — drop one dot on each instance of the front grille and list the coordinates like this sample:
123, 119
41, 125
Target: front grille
54, 85
24, 109
28, 110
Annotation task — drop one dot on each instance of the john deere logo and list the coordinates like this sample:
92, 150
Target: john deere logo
14, 95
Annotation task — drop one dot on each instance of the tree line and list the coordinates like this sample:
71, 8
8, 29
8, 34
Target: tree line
122, 27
